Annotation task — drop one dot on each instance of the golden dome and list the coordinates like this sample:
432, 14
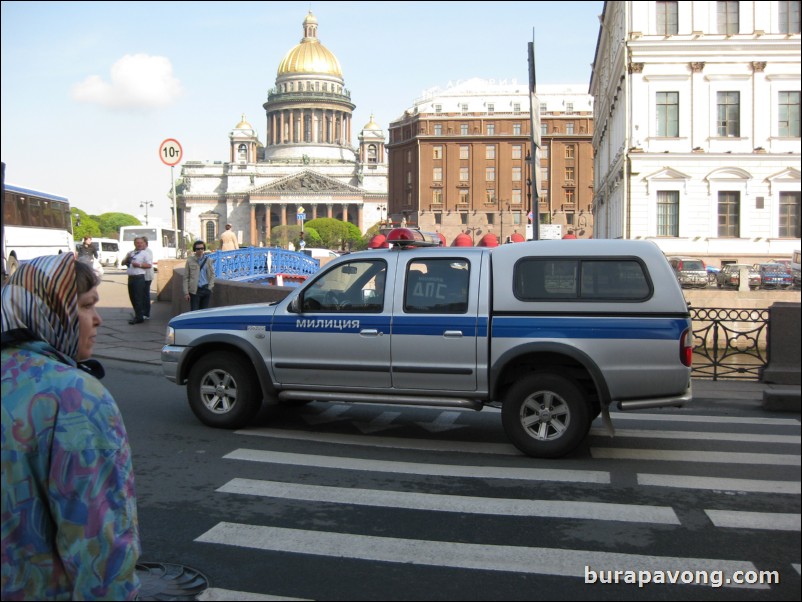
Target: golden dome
310, 56
372, 125
243, 125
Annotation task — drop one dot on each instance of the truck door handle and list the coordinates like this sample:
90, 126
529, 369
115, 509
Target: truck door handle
453, 334
370, 332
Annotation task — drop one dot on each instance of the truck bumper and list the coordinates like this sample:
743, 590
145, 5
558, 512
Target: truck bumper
171, 355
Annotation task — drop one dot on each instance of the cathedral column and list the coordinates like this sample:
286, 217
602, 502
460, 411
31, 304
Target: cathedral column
283, 214
345, 212
281, 128
253, 223
359, 216
328, 209
268, 207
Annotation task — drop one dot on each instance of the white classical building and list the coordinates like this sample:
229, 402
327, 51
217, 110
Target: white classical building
697, 140
307, 162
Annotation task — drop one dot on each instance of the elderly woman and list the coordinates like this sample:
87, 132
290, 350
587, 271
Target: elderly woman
69, 514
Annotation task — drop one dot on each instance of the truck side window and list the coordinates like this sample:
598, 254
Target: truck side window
437, 286
356, 286
558, 279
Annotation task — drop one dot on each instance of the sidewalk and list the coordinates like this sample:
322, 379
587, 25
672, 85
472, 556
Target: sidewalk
142, 343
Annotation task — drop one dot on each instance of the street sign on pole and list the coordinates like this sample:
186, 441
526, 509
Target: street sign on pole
170, 152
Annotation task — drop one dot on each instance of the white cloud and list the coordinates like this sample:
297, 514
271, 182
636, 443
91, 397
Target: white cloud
138, 81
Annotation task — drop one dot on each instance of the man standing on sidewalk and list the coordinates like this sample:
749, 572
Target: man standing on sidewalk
139, 262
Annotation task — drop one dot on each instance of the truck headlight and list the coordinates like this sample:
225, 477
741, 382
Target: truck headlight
169, 337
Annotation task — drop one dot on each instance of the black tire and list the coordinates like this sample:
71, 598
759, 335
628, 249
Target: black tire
223, 391
545, 415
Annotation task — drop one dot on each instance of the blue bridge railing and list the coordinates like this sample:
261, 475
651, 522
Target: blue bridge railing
258, 263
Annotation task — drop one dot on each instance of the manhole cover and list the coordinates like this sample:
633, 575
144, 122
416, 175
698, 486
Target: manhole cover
162, 581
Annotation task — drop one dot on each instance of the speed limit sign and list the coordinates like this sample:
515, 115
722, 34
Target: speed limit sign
170, 152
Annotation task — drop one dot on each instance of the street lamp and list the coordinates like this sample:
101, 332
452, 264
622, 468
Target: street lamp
382, 207
145, 205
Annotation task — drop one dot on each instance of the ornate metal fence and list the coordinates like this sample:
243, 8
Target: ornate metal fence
256, 263
729, 343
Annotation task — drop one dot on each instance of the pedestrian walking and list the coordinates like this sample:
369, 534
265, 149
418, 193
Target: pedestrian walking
198, 277
228, 240
87, 251
139, 263
70, 528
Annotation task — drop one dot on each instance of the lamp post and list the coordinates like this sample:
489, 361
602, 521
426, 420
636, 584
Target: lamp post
382, 208
146, 204
530, 214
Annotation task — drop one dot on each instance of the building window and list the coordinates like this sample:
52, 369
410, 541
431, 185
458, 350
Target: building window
409, 199
729, 214
491, 196
463, 108
667, 18
788, 125
542, 107
569, 174
463, 129
544, 174
409, 177
464, 197
437, 174
569, 128
491, 129
464, 152
210, 231
516, 129
569, 197
438, 108
516, 174
437, 196
372, 154
544, 152
544, 129
668, 113
242, 153
727, 17
463, 174
437, 152
789, 215
569, 151
516, 151
516, 196
789, 16
438, 218
463, 218
438, 129
668, 213
491, 108
729, 113
409, 156
569, 108
490, 151
490, 174
516, 108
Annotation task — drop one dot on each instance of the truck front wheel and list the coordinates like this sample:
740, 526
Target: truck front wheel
545, 415
223, 391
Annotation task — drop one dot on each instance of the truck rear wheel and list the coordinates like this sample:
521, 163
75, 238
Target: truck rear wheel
545, 415
223, 391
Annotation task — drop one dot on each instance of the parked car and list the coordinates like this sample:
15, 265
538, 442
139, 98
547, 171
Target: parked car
712, 274
690, 271
316, 253
774, 275
730, 275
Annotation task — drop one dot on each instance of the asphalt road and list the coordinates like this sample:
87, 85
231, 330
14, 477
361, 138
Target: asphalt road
348, 502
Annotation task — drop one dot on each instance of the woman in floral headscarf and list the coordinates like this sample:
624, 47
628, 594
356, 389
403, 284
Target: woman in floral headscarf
69, 521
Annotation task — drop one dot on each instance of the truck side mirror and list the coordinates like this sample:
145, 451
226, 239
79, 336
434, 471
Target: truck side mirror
295, 305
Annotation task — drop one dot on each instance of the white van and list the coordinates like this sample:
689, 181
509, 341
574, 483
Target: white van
316, 253
108, 251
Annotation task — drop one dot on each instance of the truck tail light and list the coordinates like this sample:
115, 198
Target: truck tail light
686, 347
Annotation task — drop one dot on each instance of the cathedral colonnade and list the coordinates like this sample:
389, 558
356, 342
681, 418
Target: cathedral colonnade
267, 215
318, 126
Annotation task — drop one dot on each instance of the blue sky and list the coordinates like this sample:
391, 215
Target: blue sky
91, 89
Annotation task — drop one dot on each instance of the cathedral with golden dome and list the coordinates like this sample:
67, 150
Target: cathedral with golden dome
307, 162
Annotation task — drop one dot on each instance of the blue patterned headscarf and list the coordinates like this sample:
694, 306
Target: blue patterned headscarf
41, 297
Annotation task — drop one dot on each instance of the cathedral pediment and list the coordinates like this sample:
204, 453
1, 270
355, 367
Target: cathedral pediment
307, 182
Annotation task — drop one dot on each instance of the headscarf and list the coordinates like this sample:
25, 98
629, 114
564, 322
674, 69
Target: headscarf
40, 301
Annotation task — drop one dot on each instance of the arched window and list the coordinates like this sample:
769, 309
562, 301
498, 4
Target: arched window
372, 158
210, 233
242, 153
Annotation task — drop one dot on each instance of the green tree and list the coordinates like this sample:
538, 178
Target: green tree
83, 225
281, 236
335, 234
110, 223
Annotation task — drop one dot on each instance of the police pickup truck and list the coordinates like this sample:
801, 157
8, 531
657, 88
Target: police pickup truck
553, 332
